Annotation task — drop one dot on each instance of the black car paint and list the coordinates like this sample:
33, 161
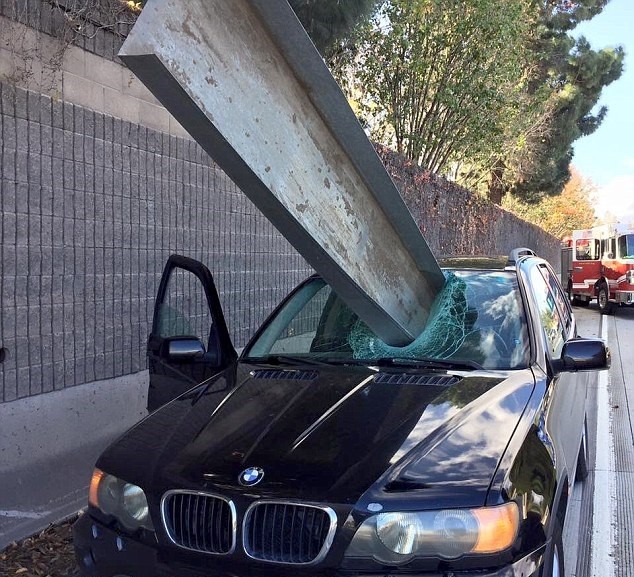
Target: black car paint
345, 440
169, 377
195, 443
327, 439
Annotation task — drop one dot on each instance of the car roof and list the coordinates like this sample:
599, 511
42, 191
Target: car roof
508, 263
474, 262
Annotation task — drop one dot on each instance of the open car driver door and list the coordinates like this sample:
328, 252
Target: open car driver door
189, 342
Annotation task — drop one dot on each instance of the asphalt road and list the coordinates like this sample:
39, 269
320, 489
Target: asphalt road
620, 329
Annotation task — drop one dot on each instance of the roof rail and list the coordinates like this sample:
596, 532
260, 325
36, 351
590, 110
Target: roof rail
516, 254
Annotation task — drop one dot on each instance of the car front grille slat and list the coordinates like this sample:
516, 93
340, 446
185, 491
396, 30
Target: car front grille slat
199, 521
281, 532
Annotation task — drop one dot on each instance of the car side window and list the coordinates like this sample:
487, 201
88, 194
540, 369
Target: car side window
552, 322
298, 335
562, 301
184, 310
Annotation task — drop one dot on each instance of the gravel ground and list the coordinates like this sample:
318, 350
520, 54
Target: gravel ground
46, 554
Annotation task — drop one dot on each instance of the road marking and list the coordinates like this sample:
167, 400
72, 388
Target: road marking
24, 514
603, 509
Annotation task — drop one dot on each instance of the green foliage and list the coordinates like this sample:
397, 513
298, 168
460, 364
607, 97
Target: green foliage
491, 93
573, 75
438, 78
564, 15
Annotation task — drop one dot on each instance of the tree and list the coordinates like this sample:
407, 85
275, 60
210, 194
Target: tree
573, 75
330, 22
560, 214
438, 78
490, 93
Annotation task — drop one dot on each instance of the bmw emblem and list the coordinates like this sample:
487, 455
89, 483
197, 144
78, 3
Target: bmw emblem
251, 476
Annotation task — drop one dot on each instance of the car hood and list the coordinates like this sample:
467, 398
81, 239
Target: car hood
337, 434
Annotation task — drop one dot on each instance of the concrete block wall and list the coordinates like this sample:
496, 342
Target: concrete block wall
99, 184
456, 222
90, 76
91, 206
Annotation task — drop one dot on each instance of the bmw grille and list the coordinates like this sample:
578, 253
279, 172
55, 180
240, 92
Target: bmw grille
281, 532
199, 521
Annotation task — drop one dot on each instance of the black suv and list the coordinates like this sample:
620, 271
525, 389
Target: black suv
321, 450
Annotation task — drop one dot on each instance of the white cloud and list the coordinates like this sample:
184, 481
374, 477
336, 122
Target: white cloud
617, 198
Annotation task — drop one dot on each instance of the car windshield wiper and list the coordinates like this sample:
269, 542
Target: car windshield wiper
285, 360
424, 363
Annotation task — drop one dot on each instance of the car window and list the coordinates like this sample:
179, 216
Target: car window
587, 249
553, 324
184, 310
560, 298
478, 317
626, 246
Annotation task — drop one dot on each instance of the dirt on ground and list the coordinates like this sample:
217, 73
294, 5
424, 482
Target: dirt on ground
47, 554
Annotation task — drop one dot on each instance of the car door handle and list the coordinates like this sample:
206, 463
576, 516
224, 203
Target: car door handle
578, 268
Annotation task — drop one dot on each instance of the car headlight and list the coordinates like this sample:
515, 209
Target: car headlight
398, 537
125, 501
629, 276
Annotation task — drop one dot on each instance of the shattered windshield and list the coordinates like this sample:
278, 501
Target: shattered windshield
477, 318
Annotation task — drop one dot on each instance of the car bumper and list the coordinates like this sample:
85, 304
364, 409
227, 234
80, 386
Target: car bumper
625, 297
103, 552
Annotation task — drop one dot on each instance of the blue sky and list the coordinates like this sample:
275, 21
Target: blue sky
607, 156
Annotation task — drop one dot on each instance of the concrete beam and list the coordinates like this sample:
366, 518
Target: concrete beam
244, 79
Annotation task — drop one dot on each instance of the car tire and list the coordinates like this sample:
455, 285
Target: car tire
555, 562
581, 473
603, 296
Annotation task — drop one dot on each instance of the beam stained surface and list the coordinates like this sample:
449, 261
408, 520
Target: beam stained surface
244, 79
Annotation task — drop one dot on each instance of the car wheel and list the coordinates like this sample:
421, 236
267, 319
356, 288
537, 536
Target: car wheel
558, 561
555, 565
582, 460
603, 296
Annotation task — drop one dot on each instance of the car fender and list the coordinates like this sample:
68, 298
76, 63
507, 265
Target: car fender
533, 474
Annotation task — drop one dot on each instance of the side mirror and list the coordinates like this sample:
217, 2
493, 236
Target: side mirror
186, 348
585, 355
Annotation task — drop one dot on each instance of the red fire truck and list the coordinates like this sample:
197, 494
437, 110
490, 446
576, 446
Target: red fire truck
599, 263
